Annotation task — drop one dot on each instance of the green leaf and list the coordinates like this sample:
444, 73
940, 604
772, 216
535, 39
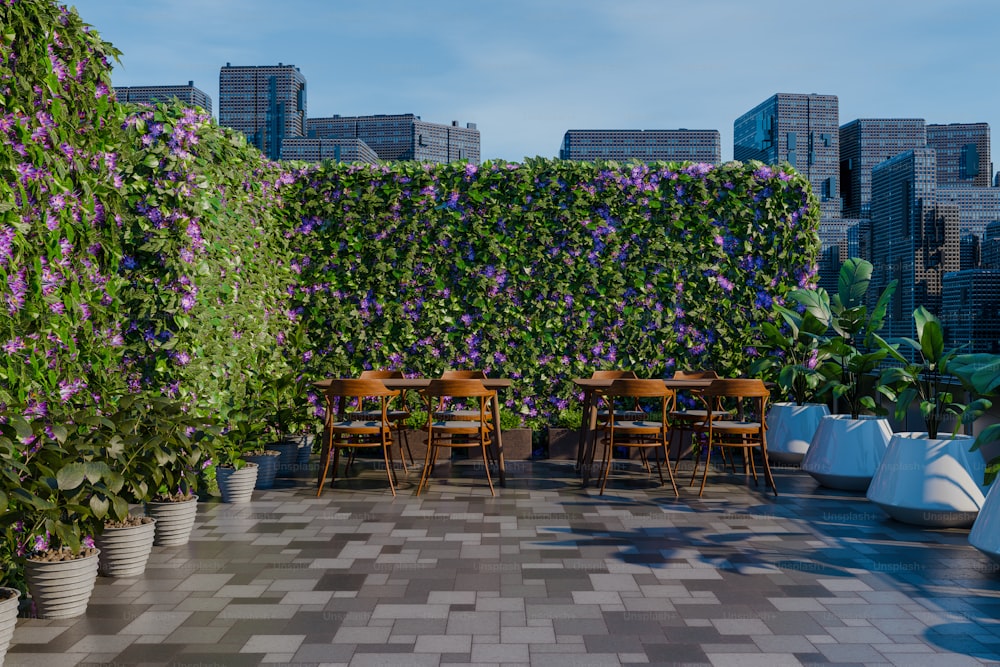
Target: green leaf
71, 476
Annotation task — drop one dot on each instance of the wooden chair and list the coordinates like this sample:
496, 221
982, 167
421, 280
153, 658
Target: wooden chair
682, 419
343, 433
397, 416
644, 433
443, 414
467, 432
743, 427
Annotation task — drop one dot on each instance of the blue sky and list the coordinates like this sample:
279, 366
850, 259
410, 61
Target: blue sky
525, 71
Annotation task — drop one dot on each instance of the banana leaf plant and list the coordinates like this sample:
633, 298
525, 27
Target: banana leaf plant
929, 379
852, 352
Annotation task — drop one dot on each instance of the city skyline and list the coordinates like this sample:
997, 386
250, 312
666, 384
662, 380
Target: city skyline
526, 72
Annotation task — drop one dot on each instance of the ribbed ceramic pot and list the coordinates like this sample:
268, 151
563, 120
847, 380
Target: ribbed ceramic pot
10, 598
61, 589
934, 482
790, 429
288, 456
845, 453
267, 467
174, 521
125, 551
235, 485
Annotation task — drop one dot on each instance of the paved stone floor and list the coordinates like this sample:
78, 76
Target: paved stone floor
546, 573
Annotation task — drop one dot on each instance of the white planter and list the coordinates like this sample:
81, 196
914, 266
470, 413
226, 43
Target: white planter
845, 453
235, 485
985, 534
8, 618
174, 521
125, 551
61, 589
790, 429
928, 482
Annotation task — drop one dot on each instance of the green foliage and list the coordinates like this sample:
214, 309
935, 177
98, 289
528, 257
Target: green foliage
509, 420
981, 374
795, 353
925, 380
853, 353
569, 418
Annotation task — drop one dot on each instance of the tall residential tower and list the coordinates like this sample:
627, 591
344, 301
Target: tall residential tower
265, 102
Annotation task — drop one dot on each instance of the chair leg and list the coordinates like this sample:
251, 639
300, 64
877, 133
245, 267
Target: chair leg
666, 464
708, 462
489, 478
608, 450
389, 472
428, 463
406, 440
336, 460
767, 467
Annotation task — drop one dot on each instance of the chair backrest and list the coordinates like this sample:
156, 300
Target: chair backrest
695, 375
380, 375
612, 375
456, 388
463, 375
737, 388
638, 388
358, 388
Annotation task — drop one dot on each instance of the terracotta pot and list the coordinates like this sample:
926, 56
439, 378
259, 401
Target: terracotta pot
930, 482
845, 453
125, 551
790, 429
174, 521
10, 598
235, 485
61, 589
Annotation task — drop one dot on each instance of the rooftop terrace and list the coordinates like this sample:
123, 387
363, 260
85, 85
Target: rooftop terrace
546, 573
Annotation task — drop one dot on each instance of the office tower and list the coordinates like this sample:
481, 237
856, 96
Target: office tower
990, 249
402, 136
963, 154
643, 145
149, 94
265, 102
977, 207
914, 238
970, 310
969, 251
802, 130
864, 143
336, 150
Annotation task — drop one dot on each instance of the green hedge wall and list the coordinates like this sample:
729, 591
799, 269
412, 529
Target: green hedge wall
546, 270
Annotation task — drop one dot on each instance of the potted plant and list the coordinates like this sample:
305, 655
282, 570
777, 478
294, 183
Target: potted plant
796, 354
847, 448
564, 436
283, 405
928, 478
235, 476
10, 599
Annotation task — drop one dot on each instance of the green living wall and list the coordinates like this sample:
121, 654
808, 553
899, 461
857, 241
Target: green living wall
546, 270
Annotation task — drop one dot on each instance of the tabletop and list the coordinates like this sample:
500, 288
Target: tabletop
672, 383
420, 383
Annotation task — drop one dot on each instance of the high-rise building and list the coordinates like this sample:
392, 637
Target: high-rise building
990, 248
970, 310
802, 130
963, 154
864, 143
977, 207
402, 136
643, 145
188, 94
265, 102
336, 150
914, 238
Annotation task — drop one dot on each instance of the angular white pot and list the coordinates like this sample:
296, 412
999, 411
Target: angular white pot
9, 601
174, 521
61, 589
929, 482
985, 534
125, 551
790, 429
845, 453
235, 485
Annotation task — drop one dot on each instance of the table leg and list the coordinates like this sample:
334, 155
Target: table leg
501, 466
589, 434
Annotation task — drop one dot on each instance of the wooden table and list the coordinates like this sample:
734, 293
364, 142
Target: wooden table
591, 397
421, 383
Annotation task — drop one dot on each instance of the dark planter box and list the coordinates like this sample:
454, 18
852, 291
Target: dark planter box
563, 443
517, 444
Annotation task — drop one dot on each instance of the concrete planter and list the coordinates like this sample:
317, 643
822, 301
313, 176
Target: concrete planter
563, 443
9, 600
61, 589
174, 521
517, 444
985, 534
125, 551
845, 453
267, 467
790, 429
235, 485
930, 482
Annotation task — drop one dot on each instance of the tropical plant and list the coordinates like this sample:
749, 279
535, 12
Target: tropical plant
795, 350
980, 372
853, 354
929, 379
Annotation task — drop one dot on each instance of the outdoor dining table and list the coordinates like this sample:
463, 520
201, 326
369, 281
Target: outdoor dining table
415, 383
591, 398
